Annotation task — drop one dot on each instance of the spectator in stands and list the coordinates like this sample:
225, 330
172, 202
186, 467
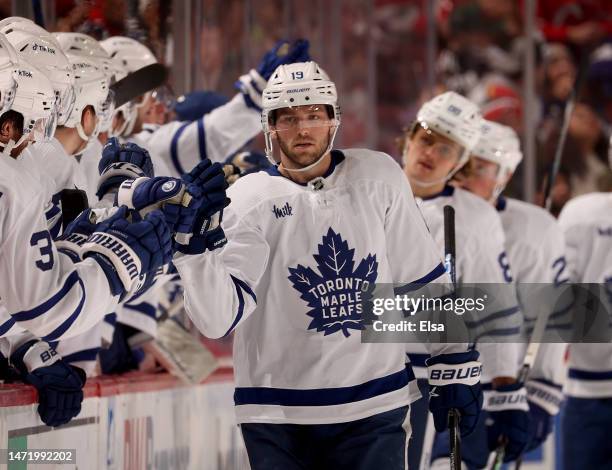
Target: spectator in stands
575, 22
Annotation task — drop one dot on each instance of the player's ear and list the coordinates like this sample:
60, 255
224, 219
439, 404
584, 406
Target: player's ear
88, 119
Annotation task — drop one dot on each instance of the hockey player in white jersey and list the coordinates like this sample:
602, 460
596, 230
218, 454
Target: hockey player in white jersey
536, 252
41, 289
438, 144
586, 222
301, 240
217, 135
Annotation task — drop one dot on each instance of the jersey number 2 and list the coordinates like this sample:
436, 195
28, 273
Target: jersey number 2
42, 241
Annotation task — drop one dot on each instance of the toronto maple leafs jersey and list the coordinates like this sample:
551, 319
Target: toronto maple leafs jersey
289, 282
586, 222
42, 289
216, 135
536, 252
480, 258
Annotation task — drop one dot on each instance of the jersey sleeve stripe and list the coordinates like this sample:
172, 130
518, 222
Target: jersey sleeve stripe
246, 288
60, 330
6, 326
493, 316
418, 284
174, 148
499, 332
323, 396
589, 374
41, 309
145, 308
85, 355
240, 306
202, 139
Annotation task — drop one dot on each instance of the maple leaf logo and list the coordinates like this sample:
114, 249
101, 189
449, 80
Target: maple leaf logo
336, 293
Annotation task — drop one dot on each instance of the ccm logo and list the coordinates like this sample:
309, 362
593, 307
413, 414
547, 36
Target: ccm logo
117, 249
455, 374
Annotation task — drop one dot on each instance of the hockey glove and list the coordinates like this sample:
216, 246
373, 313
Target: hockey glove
120, 162
128, 251
253, 83
206, 232
76, 234
455, 383
544, 400
508, 419
249, 162
59, 385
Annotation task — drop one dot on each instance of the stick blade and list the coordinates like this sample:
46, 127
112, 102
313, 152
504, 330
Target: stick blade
139, 82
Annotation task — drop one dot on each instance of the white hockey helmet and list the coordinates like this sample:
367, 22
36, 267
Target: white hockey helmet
91, 89
499, 144
128, 55
40, 48
298, 84
453, 116
27, 91
83, 45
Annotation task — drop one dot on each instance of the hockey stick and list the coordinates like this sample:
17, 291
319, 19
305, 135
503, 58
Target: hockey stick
450, 261
138, 83
567, 114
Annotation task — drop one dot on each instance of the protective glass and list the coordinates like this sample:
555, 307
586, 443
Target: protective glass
426, 140
66, 100
7, 96
483, 169
165, 96
107, 108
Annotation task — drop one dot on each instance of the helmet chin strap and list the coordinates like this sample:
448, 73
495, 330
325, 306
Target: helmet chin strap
312, 165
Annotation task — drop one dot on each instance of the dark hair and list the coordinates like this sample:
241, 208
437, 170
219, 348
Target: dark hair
15, 118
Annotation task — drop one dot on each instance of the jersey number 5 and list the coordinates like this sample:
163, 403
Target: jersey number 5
42, 241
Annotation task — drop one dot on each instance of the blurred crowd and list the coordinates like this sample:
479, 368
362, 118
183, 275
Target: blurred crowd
479, 52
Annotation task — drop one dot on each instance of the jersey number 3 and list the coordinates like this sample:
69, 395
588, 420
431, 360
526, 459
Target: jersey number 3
42, 241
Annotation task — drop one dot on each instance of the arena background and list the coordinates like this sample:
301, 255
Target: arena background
517, 59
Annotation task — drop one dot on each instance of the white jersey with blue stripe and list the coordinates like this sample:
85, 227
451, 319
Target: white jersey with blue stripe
587, 225
289, 280
216, 135
480, 258
42, 289
536, 251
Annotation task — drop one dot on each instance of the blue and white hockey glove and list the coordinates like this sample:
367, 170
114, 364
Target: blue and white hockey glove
178, 201
544, 400
206, 232
253, 83
76, 234
59, 385
120, 162
128, 251
455, 383
249, 162
508, 419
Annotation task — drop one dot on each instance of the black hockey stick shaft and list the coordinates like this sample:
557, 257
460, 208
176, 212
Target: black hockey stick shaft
567, 114
449, 260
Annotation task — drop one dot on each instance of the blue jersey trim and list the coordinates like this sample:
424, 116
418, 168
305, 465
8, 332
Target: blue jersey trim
39, 310
84, 355
589, 374
323, 396
60, 330
145, 308
337, 158
446, 192
6, 326
240, 286
418, 359
174, 148
493, 316
434, 274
